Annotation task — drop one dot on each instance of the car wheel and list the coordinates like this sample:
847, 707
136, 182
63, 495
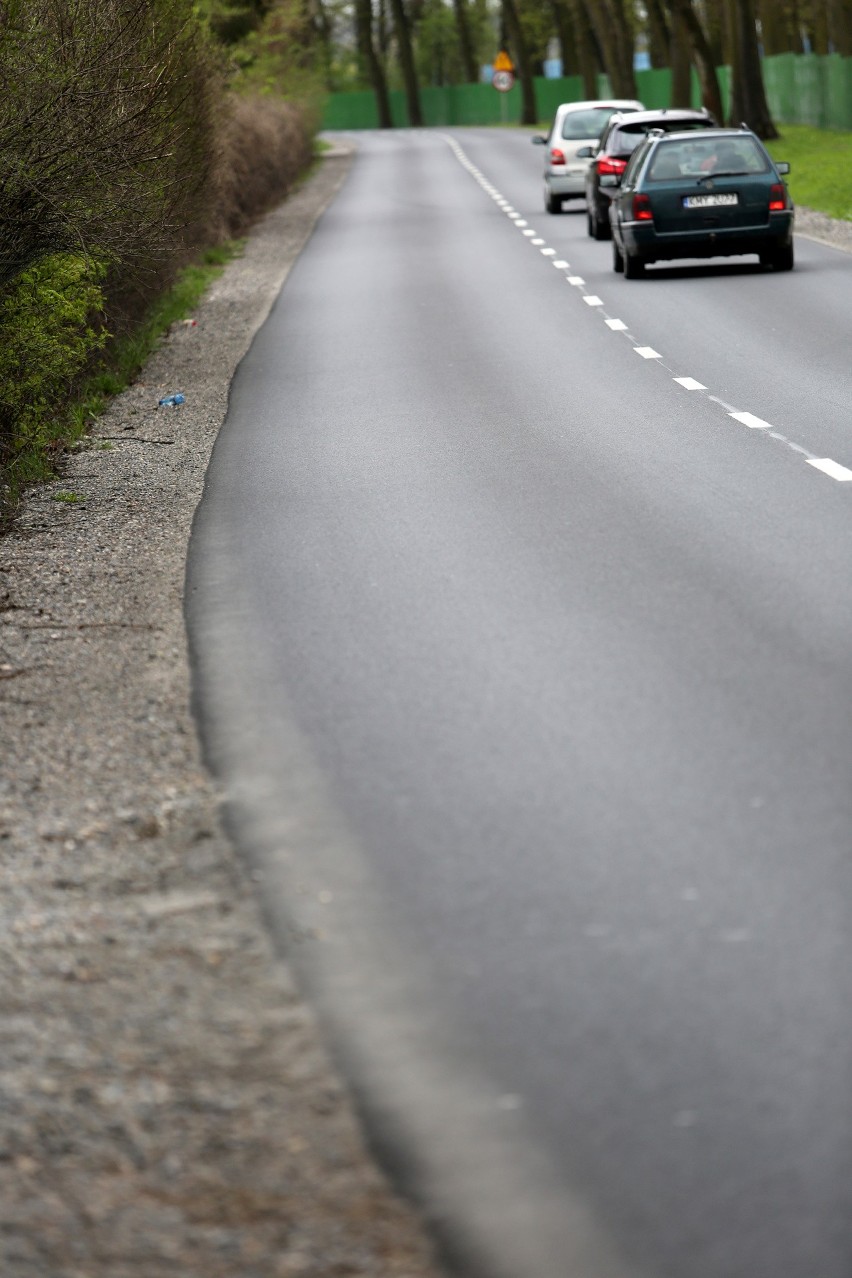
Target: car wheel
617, 259
634, 267
590, 225
599, 229
552, 203
783, 258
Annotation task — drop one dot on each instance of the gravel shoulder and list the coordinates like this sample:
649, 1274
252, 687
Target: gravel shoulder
166, 1104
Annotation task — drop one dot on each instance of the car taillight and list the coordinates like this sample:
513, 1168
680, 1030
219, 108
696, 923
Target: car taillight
642, 211
557, 156
777, 198
606, 164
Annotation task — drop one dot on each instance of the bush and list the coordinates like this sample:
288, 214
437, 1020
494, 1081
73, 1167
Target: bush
48, 335
121, 158
264, 147
107, 128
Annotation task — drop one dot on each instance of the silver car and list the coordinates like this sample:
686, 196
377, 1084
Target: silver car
576, 125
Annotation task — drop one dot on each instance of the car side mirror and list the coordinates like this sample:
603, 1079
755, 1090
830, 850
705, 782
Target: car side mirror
783, 167
538, 140
610, 179
585, 152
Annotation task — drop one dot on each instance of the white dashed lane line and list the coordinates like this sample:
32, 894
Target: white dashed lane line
831, 468
825, 465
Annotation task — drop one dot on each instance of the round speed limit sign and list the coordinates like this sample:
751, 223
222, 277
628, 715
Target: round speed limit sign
503, 81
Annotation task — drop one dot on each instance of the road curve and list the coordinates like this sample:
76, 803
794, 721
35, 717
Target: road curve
520, 612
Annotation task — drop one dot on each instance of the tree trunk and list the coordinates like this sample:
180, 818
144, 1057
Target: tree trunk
588, 53
821, 28
523, 62
776, 28
615, 39
406, 62
659, 36
840, 17
712, 21
681, 63
566, 36
468, 58
748, 97
705, 65
372, 62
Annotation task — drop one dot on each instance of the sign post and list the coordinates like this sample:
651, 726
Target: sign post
503, 78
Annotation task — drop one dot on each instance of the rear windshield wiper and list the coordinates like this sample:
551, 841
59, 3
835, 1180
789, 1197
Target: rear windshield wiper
705, 177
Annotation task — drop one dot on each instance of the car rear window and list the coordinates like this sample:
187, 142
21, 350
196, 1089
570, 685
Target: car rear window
627, 137
702, 156
579, 125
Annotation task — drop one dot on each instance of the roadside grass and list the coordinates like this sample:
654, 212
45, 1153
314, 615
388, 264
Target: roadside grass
128, 355
820, 168
119, 364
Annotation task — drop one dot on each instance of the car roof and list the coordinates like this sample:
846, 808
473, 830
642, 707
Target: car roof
663, 113
689, 134
618, 104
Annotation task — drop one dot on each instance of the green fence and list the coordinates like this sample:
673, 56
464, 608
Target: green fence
800, 88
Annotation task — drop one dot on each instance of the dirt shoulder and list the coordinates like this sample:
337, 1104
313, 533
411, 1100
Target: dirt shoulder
166, 1105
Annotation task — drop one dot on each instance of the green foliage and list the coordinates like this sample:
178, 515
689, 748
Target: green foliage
127, 356
281, 55
231, 21
49, 332
49, 389
107, 119
820, 168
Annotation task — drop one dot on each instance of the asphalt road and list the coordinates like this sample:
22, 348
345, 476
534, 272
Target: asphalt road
527, 667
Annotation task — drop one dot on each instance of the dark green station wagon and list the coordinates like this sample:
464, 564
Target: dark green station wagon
716, 193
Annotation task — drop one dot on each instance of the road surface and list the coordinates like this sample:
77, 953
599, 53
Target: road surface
521, 614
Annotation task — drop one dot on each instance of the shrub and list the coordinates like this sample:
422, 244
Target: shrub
107, 126
49, 331
264, 147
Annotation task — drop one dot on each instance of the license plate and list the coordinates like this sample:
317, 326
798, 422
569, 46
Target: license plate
709, 201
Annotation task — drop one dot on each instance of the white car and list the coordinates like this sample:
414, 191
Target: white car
576, 125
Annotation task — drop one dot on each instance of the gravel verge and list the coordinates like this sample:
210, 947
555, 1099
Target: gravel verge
166, 1105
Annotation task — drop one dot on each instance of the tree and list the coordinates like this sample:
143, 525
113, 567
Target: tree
107, 118
466, 47
613, 28
514, 37
748, 96
372, 63
703, 59
406, 62
588, 53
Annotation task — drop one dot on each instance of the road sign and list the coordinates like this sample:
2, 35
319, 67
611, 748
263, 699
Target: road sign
503, 81
503, 62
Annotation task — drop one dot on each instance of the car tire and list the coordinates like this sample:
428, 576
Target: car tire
599, 230
617, 259
783, 259
634, 267
552, 203
590, 225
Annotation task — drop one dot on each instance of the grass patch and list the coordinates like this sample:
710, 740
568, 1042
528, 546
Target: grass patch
127, 356
130, 354
121, 361
820, 168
